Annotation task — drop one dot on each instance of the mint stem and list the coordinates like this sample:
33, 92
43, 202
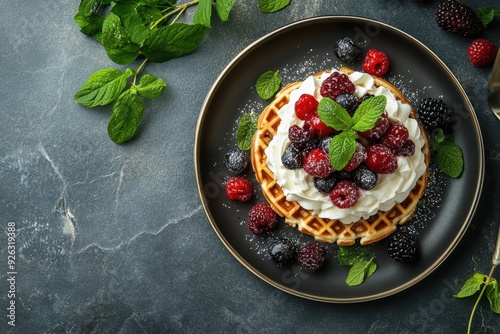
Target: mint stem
479, 298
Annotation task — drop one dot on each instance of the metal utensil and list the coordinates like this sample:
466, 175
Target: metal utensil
494, 88
496, 253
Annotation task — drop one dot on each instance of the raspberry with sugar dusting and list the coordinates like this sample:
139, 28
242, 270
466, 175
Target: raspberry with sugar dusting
239, 188
380, 159
317, 163
345, 194
306, 107
336, 84
261, 218
376, 63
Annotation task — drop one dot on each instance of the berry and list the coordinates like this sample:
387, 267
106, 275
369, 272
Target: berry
458, 18
357, 158
347, 50
348, 101
337, 83
318, 127
239, 188
378, 130
364, 177
376, 63
482, 52
311, 257
344, 195
306, 107
407, 150
343, 175
433, 113
236, 161
403, 245
282, 250
326, 184
292, 158
324, 143
380, 159
261, 218
396, 136
317, 163
299, 136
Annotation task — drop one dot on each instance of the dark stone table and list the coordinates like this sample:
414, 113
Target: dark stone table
113, 238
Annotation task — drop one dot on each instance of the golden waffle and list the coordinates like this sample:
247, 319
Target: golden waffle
373, 229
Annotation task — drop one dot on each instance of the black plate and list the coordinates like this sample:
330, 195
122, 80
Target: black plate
299, 50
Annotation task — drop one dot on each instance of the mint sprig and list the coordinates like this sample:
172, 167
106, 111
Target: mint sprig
486, 15
247, 126
361, 268
449, 156
343, 145
268, 84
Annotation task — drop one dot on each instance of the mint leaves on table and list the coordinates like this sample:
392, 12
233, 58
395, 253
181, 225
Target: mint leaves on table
343, 145
486, 15
271, 6
268, 84
449, 156
355, 257
247, 126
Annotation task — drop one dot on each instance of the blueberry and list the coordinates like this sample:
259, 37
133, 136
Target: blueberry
236, 160
325, 185
364, 177
348, 101
347, 50
283, 250
292, 158
324, 144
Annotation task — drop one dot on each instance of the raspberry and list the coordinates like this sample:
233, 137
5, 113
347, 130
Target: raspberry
318, 127
337, 83
325, 184
378, 130
261, 218
306, 107
433, 113
347, 50
403, 245
239, 188
282, 250
407, 150
357, 158
236, 161
292, 158
396, 136
344, 195
380, 159
376, 63
299, 136
348, 101
364, 177
458, 18
317, 163
311, 257
482, 52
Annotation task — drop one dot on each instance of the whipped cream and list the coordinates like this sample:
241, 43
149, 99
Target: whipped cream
390, 188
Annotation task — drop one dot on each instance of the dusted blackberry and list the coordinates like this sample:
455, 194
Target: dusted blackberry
403, 245
326, 184
311, 257
236, 160
364, 177
347, 50
292, 158
283, 250
433, 113
348, 101
299, 136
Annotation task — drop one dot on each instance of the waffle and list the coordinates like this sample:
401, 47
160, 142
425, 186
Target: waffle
373, 229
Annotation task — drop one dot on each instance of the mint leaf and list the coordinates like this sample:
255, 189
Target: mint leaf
268, 84
90, 25
471, 285
127, 113
223, 7
117, 41
173, 41
271, 6
246, 129
493, 295
151, 86
368, 113
203, 13
334, 115
450, 158
341, 149
348, 256
486, 15
359, 271
102, 87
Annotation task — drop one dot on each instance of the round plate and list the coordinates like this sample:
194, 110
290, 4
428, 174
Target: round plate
297, 51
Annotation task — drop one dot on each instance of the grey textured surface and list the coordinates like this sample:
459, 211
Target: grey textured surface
113, 238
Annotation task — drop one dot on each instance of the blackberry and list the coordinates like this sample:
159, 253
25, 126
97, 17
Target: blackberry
326, 184
311, 257
299, 136
433, 113
261, 218
403, 245
236, 161
458, 18
348, 101
292, 158
364, 177
347, 50
283, 250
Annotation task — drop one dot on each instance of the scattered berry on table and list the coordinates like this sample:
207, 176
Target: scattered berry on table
376, 63
325, 184
403, 245
396, 135
318, 127
455, 17
344, 194
299, 136
378, 130
482, 52
348, 101
236, 161
433, 113
337, 83
306, 107
261, 218
380, 159
239, 188
347, 50
364, 178
311, 257
292, 158
283, 250
317, 163
357, 158
407, 150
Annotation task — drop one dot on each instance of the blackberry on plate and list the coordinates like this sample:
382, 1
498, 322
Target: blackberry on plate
236, 161
311, 257
283, 250
348, 101
292, 158
325, 184
347, 50
364, 177
403, 245
433, 113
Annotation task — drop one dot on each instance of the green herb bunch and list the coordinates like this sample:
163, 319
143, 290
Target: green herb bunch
143, 31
